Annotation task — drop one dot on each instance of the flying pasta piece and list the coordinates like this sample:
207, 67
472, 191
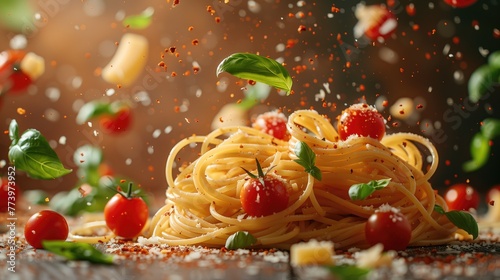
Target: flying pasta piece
203, 205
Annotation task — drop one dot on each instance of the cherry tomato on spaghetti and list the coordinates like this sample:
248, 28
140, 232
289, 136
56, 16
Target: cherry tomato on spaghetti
461, 197
272, 123
389, 227
263, 195
362, 120
9, 192
45, 225
460, 3
12, 78
126, 215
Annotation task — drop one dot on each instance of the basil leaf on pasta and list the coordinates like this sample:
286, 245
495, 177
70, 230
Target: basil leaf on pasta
240, 240
307, 158
363, 190
461, 219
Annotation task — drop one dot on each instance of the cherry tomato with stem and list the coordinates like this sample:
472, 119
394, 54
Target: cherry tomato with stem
45, 225
272, 123
126, 214
362, 120
461, 197
263, 194
389, 227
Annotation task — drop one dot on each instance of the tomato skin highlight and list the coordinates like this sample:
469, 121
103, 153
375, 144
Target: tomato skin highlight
272, 123
126, 217
460, 3
461, 197
45, 225
259, 200
362, 120
389, 227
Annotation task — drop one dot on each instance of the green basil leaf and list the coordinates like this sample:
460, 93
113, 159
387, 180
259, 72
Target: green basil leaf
348, 272
33, 154
494, 59
36, 197
482, 80
92, 110
141, 20
480, 152
257, 68
77, 251
240, 240
13, 132
461, 219
254, 94
307, 158
363, 190
491, 128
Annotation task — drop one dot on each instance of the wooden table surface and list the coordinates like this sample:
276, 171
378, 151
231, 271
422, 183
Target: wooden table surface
478, 260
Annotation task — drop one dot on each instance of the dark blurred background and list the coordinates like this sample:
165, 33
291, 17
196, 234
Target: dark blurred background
428, 59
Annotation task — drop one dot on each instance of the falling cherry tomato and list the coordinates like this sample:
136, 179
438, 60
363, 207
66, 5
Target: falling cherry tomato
45, 225
460, 3
389, 227
461, 197
117, 122
272, 123
12, 78
362, 120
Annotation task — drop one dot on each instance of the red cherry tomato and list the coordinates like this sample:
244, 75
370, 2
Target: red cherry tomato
461, 197
272, 123
263, 194
9, 192
460, 3
12, 78
126, 215
45, 225
118, 122
389, 227
363, 120
492, 195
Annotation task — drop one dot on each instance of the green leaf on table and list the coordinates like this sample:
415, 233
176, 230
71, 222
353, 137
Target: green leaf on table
348, 272
363, 190
257, 68
307, 159
240, 240
32, 153
77, 251
141, 20
460, 219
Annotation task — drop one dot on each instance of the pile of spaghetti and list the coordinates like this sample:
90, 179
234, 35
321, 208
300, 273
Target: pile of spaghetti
203, 200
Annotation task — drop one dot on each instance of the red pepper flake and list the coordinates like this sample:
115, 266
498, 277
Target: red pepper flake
195, 42
301, 28
492, 203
